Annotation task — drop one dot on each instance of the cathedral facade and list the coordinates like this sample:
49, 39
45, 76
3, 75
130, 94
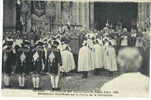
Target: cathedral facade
47, 16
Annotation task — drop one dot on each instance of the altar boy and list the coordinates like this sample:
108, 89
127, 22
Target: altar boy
109, 58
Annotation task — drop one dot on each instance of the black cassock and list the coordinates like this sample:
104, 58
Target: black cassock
37, 64
23, 66
8, 61
54, 59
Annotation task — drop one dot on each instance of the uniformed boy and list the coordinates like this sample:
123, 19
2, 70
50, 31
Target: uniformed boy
37, 64
22, 62
54, 63
7, 61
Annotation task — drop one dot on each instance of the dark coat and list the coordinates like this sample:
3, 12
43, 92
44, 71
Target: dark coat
8, 61
25, 66
53, 67
132, 40
37, 65
74, 44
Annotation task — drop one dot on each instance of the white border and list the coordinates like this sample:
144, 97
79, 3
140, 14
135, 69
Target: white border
56, 98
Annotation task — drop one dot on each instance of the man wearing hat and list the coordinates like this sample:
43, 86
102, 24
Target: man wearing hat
7, 61
54, 63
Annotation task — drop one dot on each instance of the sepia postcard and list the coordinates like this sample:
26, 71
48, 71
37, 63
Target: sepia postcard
76, 48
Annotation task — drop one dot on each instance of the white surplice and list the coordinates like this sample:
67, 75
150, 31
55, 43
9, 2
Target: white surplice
68, 63
85, 59
98, 56
110, 62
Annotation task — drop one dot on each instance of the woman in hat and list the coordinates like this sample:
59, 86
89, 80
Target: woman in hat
37, 64
54, 64
8, 55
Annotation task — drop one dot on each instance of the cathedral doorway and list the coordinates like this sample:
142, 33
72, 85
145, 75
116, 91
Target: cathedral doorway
125, 13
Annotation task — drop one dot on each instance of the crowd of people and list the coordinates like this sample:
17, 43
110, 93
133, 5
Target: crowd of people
79, 50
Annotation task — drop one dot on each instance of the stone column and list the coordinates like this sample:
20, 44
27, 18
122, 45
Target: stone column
80, 14
87, 14
150, 14
58, 14
84, 14
73, 13
77, 13
91, 14
143, 15
14, 17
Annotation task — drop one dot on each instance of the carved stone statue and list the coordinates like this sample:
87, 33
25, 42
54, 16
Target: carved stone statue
66, 6
65, 12
51, 13
25, 17
39, 8
51, 8
38, 18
